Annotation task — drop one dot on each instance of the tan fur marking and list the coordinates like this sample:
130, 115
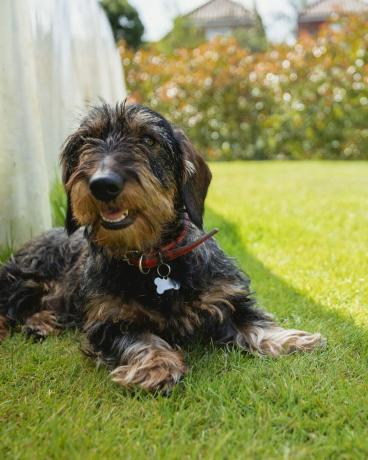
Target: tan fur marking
185, 325
151, 364
270, 339
212, 302
153, 205
220, 293
54, 295
42, 324
109, 308
84, 208
4, 329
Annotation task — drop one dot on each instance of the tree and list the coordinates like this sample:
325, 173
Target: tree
255, 37
184, 34
125, 22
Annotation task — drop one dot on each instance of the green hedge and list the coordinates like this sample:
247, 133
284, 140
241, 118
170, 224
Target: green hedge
305, 101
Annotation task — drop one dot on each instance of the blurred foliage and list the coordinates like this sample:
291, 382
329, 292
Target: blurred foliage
125, 22
309, 100
183, 31
253, 38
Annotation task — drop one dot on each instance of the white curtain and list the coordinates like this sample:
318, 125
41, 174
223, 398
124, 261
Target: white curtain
57, 57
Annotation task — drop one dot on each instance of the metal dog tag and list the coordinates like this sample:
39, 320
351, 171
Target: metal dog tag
165, 284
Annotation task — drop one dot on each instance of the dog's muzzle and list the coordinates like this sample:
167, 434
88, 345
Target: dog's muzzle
106, 186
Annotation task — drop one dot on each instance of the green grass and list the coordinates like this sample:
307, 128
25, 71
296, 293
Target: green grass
300, 231
58, 203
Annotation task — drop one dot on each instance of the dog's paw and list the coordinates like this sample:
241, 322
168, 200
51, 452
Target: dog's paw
41, 325
153, 373
301, 341
270, 339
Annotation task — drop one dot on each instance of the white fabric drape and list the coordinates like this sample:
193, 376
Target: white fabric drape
57, 57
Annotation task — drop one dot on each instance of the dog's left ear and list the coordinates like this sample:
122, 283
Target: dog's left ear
196, 179
68, 159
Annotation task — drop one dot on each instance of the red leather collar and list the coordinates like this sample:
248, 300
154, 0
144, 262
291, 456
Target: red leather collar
170, 251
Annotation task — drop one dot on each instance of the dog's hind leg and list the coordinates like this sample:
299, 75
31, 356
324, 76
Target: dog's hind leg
20, 294
257, 333
266, 338
32, 290
24, 301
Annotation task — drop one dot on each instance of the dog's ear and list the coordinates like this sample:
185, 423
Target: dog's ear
196, 179
68, 160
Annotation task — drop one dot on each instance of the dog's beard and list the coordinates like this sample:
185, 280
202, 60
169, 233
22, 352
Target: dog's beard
143, 210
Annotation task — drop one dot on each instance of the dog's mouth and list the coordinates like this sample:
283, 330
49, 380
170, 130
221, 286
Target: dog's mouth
113, 218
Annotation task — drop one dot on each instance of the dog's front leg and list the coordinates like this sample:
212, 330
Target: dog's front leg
140, 359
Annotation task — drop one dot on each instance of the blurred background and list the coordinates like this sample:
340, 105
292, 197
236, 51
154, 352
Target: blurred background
246, 80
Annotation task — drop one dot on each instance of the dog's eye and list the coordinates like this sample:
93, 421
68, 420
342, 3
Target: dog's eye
148, 140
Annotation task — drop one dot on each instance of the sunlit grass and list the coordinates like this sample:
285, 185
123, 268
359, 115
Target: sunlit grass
300, 231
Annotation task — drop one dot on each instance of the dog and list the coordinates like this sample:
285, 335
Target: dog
133, 268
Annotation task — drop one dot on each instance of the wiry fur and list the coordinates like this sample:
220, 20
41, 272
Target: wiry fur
81, 276
151, 363
41, 324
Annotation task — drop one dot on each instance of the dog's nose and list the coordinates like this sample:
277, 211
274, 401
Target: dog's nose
106, 186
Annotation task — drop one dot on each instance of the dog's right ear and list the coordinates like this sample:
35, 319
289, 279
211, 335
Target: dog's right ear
69, 160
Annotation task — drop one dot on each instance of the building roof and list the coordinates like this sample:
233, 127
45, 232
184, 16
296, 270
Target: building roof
323, 9
221, 12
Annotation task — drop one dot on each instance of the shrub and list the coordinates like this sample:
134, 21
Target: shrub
305, 101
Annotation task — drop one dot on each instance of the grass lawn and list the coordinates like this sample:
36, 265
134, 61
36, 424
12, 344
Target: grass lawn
301, 231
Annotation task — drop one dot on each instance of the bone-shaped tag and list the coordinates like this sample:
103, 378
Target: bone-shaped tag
165, 284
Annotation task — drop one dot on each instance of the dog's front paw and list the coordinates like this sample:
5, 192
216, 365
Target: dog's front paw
40, 325
156, 371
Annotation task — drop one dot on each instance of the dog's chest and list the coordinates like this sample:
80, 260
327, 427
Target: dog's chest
155, 289
133, 299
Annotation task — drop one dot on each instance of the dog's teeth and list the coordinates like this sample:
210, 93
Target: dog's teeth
122, 216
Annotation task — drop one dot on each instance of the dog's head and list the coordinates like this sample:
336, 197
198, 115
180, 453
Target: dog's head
128, 175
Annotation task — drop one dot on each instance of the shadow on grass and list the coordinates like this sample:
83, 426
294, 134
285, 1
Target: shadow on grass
291, 307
